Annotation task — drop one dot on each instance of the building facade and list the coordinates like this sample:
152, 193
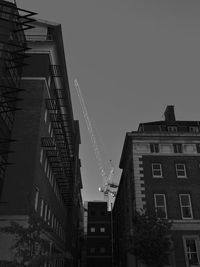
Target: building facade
98, 233
160, 166
45, 176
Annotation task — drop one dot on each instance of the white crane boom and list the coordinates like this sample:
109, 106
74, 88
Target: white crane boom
90, 130
107, 179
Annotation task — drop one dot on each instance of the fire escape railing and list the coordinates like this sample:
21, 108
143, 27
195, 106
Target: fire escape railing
13, 22
60, 148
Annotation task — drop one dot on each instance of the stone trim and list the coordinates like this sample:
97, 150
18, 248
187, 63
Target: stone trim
139, 182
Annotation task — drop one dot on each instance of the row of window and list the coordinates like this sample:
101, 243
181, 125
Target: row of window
184, 201
94, 229
49, 174
158, 173
5, 12
48, 216
192, 129
177, 148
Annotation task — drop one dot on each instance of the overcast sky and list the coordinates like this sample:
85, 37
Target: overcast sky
131, 59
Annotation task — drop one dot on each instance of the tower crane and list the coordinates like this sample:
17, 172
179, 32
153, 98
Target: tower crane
108, 185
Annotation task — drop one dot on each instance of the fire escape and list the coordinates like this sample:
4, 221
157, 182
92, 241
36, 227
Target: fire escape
60, 147
13, 22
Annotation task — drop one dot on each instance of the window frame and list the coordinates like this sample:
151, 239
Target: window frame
165, 204
45, 115
41, 155
102, 229
198, 148
184, 170
178, 148
102, 250
197, 245
92, 229
172, 129
154, 148
181, 206
92, 250
153, 170
193, 129
36, 198
45, 211
41, 207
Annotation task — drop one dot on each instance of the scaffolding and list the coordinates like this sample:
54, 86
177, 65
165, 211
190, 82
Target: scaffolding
60, 147
13, 22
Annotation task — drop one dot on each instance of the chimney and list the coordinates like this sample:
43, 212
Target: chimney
169, 114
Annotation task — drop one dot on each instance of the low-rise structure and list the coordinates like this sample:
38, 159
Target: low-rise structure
98, 235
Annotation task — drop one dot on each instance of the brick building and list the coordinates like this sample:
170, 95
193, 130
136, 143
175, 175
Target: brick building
45, 175
160, 165
98, 235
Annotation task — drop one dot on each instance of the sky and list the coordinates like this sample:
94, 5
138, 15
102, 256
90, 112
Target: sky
131, 58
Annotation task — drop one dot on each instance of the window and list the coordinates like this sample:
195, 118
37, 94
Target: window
156, 170
154, 148
198, 148
181, 170
186, 207
172, 128
49, 216
178, 148
36, 198
45, 166
92, 229
48, 169
41, 207
102, 229
52, 221
92, 250
191, 248
160, 205
5, 12
45, 211
194, 129
45, 116
49, 129
41, 155
102, 250
92, 213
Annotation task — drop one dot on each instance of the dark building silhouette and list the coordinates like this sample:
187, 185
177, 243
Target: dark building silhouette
160, 165
13, 22
45, 175
98, 235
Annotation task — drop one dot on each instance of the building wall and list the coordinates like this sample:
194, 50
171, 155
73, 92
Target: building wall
99, 240
156, 143
32, 182
11, 41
